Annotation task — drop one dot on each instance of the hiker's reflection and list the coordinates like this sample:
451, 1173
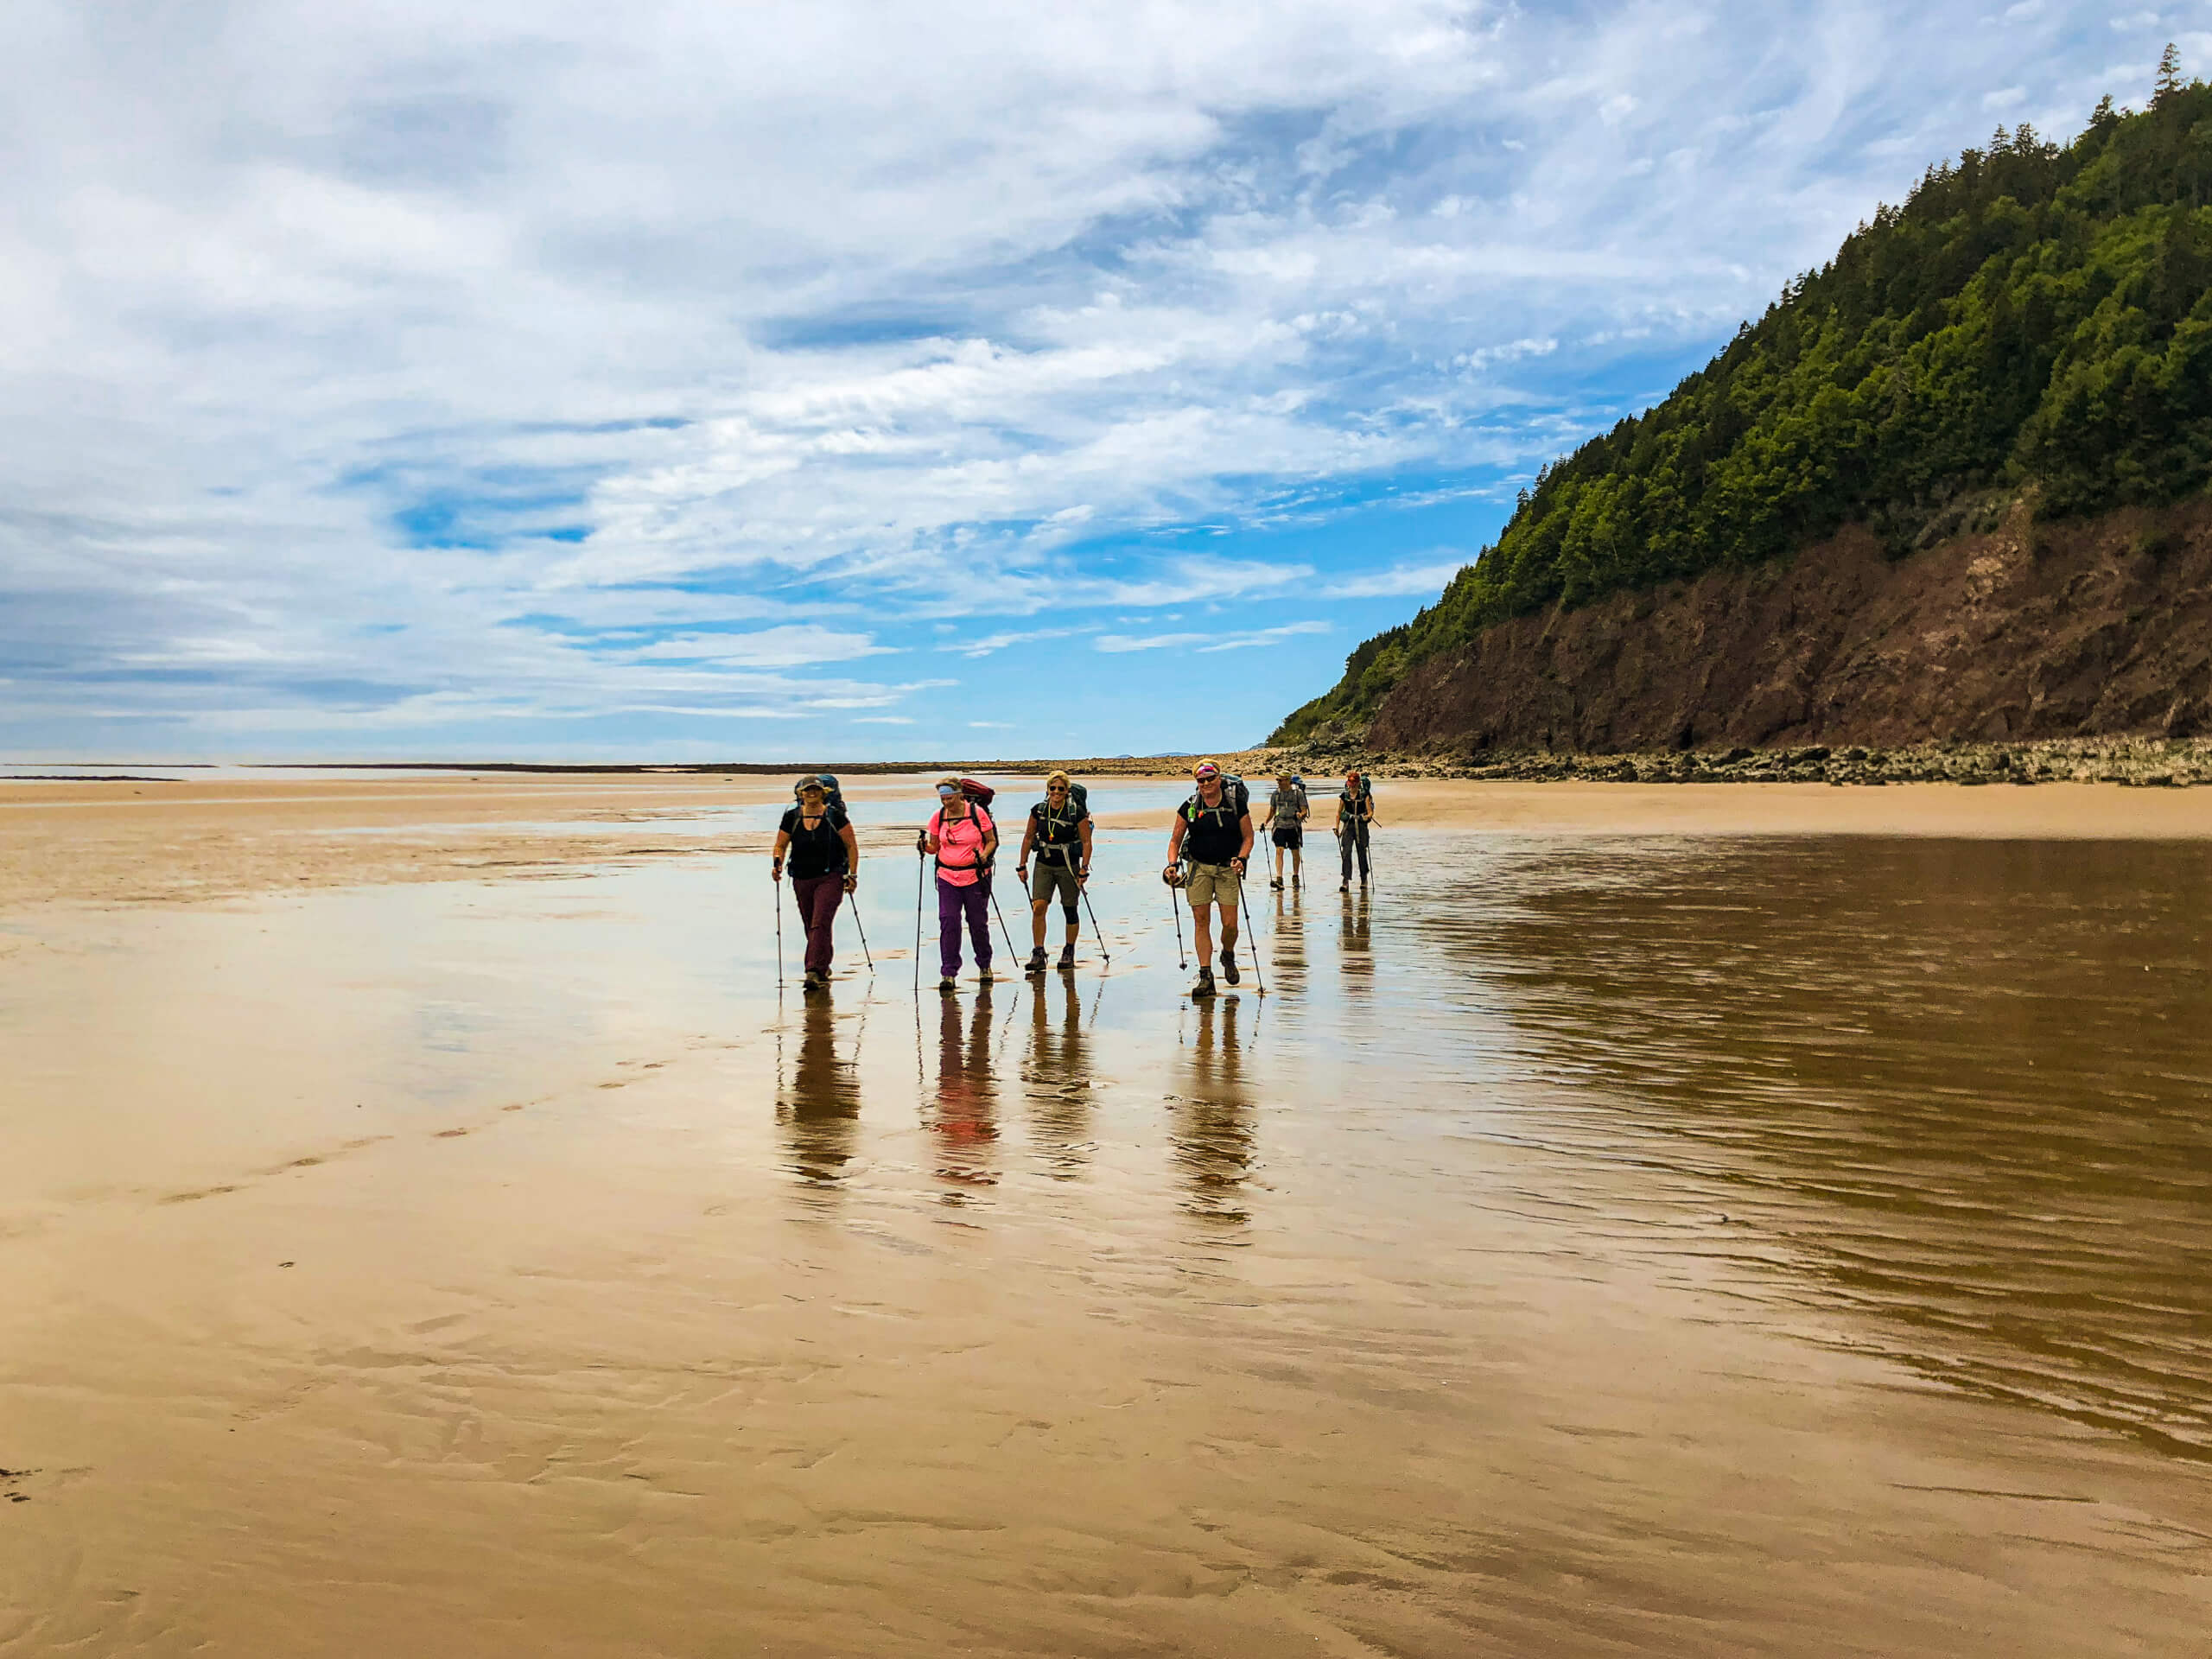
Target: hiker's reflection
1358, 952
1286, 961
821, 1109
967, 1098
1212, 1124
1057, 1077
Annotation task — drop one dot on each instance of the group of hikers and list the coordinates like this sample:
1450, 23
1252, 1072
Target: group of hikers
1209, 849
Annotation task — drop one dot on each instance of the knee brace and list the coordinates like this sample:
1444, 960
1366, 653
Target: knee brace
1068, 911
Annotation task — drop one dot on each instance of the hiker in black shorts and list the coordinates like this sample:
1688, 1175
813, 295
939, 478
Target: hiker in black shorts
1213, 834
825, 862
1059, 832
1354, 817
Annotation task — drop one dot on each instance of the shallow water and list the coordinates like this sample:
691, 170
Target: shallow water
1587, 1246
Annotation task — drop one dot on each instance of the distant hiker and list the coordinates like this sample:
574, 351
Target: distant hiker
825, 862
1213, 835
1286, 826
1058, 831
1354, 817
963, 838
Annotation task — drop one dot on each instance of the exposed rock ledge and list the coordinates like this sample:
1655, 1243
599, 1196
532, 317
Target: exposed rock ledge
2096, 629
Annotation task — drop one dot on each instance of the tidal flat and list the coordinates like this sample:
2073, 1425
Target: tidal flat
1645, 1221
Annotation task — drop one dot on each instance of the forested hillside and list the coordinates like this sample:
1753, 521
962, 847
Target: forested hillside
2034, 322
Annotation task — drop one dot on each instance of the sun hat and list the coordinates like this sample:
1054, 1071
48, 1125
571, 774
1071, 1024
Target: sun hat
1205, 769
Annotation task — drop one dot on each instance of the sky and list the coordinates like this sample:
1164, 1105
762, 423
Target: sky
687, 382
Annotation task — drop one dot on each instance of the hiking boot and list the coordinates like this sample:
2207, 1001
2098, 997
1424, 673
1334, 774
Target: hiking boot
1228, 967
1275, 885
1036, 961
946, 984
1067, 957
1204, 985
814, 981
1343, 887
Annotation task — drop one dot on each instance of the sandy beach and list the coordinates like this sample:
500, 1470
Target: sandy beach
1647, 1223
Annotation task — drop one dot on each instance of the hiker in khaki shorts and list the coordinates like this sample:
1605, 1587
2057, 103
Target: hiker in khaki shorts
1213, 835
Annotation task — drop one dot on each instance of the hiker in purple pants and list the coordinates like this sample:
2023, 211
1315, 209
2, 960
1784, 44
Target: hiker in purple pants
964, 839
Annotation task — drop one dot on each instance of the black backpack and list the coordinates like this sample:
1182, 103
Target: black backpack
1078, 798
1235, 801
829, 784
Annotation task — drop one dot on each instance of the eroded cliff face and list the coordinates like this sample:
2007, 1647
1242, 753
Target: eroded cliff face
2030, 631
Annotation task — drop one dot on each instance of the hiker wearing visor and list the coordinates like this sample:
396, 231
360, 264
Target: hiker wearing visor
1213, 836
963, 838
1059, 832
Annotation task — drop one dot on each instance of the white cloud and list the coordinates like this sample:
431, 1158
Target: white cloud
1399, 581
1226, 640
377, 364
793, 646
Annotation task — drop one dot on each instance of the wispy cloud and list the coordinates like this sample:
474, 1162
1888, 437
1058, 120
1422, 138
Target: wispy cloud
1398, 581
518, 367
1225, 640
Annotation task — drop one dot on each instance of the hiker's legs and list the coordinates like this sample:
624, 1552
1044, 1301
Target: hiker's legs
1228, 908
1298, 864
976, 898
1037, 909
1362, 839
1202, 931
947, 928
818, 897
1344, 839
1074, 919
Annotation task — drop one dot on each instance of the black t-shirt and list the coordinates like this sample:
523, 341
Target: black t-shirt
1059, 829
1213, 836
818, 851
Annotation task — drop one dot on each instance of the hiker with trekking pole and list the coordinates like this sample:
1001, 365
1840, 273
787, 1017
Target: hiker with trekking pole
1059, 832
1286, 826
1354, 817
1212, 838
963, 839
825, 861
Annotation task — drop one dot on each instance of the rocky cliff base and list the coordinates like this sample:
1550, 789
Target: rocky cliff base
2019, 631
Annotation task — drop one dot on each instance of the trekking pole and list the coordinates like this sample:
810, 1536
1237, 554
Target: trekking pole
991, 888
1258, 977
921, 875
779, 880
863, 928
1175, 909
1095, 933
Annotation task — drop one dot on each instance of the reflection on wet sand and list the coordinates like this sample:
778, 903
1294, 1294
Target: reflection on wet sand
1286, 949
1961, 1087
1213, 1125
1057, 1076
1358, 943
820, 1109
966, 1115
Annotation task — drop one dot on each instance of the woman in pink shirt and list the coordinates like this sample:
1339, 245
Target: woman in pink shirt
961, 833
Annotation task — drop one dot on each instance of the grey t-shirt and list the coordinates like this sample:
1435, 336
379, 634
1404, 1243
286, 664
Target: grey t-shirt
1282, 807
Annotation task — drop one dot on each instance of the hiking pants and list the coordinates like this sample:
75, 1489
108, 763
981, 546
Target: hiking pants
975, 902
818, 897
1354, 833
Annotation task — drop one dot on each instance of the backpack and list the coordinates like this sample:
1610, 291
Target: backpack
1298, 785
984, 822
828, 783
981, 794
1236, 800
1079, 799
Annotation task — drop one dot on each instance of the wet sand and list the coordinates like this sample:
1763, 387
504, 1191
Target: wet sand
1643, 1234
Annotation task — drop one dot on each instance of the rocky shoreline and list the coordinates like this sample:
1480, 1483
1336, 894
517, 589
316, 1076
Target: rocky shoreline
2138, 762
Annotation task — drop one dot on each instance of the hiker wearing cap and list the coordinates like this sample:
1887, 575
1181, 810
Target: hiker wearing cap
1354, 817
963, 838
1059, 832
825, 862
1286, 826
1213, 836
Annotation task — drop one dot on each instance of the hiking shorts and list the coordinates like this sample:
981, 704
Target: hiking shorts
1289, 835
1213, 884
1049, 876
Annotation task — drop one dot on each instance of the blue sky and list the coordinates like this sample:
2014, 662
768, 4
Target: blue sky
680, 382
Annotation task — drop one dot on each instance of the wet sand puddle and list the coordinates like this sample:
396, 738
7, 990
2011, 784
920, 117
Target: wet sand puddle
1587, 1247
